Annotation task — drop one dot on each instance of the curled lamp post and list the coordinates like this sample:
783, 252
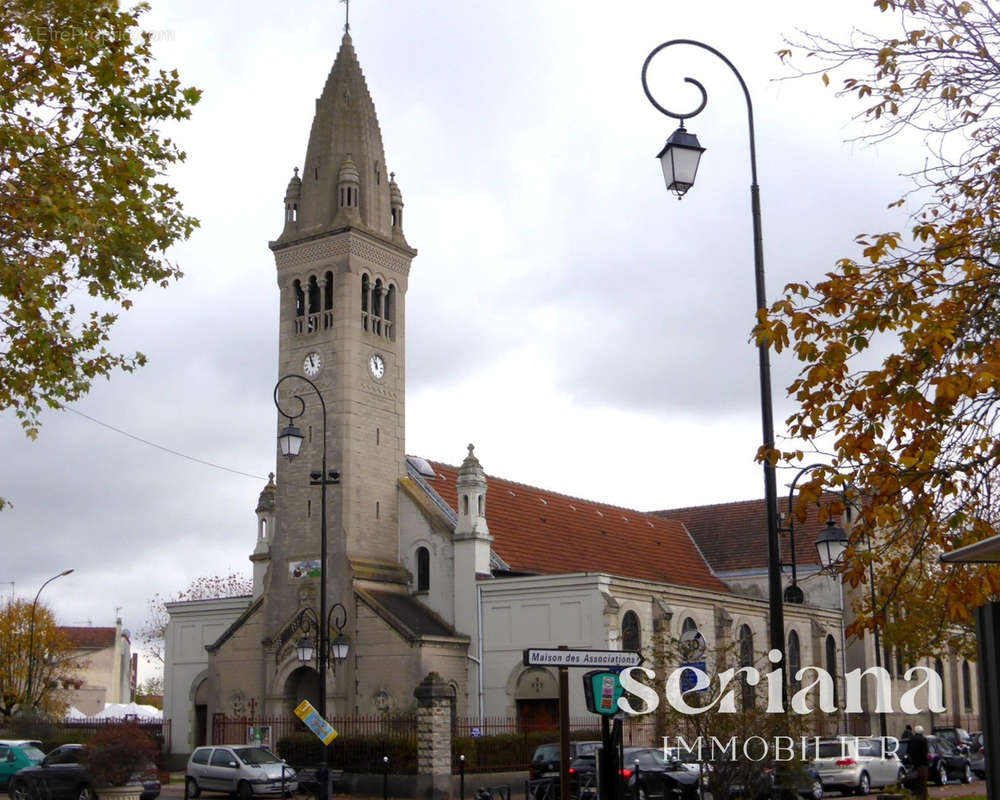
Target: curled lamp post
31, 637
679, 159
832, 544
793, 593
290, 442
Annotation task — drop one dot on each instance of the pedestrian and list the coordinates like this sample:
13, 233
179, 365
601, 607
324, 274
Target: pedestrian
917, 753
906, 733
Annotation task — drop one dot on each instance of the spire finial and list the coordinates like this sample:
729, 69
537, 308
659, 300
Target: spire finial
347, 15
471, 448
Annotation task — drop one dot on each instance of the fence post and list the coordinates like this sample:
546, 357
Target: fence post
461, 778
435, 699
385, 777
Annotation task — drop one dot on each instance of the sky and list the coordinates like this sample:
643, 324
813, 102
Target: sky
587, 331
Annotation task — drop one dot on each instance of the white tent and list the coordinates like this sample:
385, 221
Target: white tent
129, 710
74, 713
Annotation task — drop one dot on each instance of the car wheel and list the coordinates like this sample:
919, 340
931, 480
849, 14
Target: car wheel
244, 791
901, 776
18, 790
864, 784
942, 775
642, 793
192, 787
85, 793
967, 773
816, 789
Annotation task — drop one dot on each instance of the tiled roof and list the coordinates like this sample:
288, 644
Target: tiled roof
81, 638
541, 532
733, 536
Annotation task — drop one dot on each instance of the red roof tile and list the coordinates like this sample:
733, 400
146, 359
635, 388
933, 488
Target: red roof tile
733, 536
89, 638
537, 531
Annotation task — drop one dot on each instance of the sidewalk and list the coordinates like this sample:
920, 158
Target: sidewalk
175, 789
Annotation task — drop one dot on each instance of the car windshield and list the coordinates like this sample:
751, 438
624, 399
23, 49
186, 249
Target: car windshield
32, 752
256, 755
547, 752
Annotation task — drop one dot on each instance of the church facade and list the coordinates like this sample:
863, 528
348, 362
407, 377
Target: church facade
438, 568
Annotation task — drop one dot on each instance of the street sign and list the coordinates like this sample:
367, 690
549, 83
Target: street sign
601, 690
614, 659
476, 733
310, 716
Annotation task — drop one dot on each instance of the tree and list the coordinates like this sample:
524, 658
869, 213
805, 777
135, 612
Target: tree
900, 344
52, 661
86, 216
150, 692
206, 587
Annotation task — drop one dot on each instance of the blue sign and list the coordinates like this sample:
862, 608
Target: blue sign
476, 733
688, 678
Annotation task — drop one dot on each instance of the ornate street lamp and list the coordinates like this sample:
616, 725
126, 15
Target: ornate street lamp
683, 151
290, 442
309, 643
31, 639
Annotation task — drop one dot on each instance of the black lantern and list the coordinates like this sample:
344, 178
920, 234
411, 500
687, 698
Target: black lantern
290, 441
679, 159
831, 544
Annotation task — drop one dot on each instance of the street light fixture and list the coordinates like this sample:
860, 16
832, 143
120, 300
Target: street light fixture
290, 442
793, 593
308, 644
682, 151
31, 638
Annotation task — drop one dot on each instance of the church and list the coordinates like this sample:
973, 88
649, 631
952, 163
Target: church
436, 567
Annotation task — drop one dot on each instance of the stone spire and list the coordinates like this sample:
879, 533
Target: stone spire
345, 128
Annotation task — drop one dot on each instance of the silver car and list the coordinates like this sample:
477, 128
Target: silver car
243, 770
854, 764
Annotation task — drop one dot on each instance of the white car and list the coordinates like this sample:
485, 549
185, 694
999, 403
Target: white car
240, 769
855, 764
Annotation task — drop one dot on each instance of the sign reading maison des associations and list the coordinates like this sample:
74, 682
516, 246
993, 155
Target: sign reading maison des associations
548, 657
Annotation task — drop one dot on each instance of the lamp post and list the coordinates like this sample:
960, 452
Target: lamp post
290, 442
679, 159
831, 546
31, 637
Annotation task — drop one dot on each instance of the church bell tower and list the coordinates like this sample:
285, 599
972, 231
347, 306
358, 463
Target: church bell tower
342, 268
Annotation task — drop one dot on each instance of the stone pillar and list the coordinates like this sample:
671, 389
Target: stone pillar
435, 699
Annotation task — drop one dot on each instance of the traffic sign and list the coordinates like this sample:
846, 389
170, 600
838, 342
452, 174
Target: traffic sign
310, 716
689, 679
601, 690
539, 657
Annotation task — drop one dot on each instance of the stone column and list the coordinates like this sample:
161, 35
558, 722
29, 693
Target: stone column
435, 699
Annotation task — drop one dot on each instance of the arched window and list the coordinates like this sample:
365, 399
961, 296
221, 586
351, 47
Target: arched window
423, 569
966, 686
313, 295
300, 305
328, 300
745, 638
939, 669
377, 298
631, 637
390, 311
794, 660
831, 663
365, 292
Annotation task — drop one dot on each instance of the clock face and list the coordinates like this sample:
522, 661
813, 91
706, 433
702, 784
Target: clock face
312, 365
376, 366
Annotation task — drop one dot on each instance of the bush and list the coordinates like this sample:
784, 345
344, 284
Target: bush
116, 753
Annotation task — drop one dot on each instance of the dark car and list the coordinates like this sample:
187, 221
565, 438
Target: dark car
959, 737
61, 775
658, 779
977, 754
545, 760
946, 763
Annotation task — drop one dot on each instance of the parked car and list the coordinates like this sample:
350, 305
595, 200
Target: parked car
62, 775
545, 759
977, 754
243, 770
804, 782
946, 763
16, 754
658, 778
852, 764
959, 737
